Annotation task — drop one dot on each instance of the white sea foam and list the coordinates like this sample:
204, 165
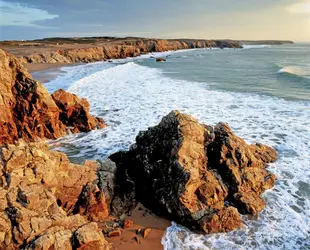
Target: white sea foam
245, 46
294, 70
131, 98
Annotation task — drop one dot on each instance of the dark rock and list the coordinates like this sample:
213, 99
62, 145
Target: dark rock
160, 59
198, 176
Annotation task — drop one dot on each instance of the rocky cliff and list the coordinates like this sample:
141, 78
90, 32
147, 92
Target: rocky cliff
197, 175
29, 112
127, 48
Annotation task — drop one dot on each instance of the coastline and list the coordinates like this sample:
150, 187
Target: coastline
141, 217
81, 50
145, 219
44, 72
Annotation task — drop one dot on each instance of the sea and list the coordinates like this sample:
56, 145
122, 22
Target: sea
262, 92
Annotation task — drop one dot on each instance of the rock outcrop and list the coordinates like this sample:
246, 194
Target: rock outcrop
127, 48
28, 111
74, 112
200, 176
46, 202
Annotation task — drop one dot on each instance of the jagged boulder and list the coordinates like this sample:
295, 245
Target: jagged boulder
74, 112
28, 111
200, 176
45, 200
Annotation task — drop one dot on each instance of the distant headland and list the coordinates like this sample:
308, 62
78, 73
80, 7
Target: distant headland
49, 52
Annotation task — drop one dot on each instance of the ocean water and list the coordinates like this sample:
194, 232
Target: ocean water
262, 92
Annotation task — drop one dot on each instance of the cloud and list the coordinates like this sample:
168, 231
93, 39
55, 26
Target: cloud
302, 7
160, 18
15, 14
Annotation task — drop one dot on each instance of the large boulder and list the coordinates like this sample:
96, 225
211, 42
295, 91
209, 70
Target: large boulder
200, 176
45, 200
28, 111
74, 112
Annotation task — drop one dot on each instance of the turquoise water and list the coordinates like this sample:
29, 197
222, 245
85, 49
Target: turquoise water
263, 93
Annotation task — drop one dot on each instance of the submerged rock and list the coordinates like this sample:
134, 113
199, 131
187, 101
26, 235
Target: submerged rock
197, 175
160, 59
45, 200
28, 111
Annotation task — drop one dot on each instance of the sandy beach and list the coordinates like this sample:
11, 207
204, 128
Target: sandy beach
142, 218
45, 72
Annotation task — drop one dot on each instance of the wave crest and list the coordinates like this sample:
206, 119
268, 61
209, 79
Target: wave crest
293, 70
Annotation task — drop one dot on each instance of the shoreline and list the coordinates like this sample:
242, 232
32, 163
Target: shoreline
141, 217
45, 72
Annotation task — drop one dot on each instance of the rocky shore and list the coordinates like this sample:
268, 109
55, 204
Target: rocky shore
200, 176
29, 112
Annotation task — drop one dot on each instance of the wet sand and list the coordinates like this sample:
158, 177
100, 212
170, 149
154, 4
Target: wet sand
142, 219
45, 72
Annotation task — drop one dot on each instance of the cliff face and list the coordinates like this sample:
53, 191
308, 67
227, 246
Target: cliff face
125, 49
28, 111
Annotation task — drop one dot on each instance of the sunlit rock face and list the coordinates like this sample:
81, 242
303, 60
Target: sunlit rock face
28, 111
200, 176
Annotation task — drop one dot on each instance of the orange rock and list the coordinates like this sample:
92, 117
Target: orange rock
145, 232
130, 48
128, 223
75, 112
115, 233
43, 198
28, 111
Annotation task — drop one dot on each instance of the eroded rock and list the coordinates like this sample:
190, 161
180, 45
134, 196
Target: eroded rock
74, 112
200, 176
28, 111
45, 200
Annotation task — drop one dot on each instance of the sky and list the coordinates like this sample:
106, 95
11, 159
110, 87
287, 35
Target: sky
205, 19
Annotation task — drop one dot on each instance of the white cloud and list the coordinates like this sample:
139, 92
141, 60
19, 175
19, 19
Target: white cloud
14, 14
302, 7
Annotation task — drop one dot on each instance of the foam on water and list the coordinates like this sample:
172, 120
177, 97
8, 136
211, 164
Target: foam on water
131, 98
255, 46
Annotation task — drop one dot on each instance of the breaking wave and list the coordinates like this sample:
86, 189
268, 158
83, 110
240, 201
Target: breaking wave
255, 46
293, 70
131, 97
